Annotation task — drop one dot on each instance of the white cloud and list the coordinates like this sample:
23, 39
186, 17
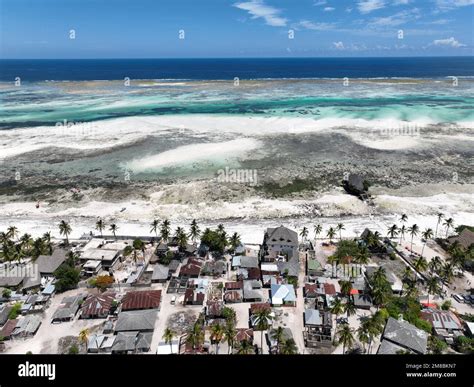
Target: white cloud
258, 9
447, 5
329, 9
440, 22
338, 45
401, 2
309, 25
449, 42
397, 19
318, 3
366, 6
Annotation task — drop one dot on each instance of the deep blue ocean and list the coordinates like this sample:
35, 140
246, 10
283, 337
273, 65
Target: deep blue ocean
244, 68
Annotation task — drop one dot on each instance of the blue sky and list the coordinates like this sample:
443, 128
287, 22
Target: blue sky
239, 28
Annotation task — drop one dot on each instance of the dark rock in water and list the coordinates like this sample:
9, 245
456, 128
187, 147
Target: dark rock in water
356, 185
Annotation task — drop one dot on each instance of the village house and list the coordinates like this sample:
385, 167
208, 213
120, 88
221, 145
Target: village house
27, 326
100, 343
191, 268
446, 325
244, 262
278, 243
283, 295
194, 297
314, 269
136, 320
132, 342
97, 305
319, 293
399, 336
465, 238
161, 274
108, 253
233, 291
318, 328
139, 300
68, 308
252, 291
48, 264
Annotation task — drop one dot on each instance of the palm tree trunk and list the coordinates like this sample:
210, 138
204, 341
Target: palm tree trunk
261, 341
423, 249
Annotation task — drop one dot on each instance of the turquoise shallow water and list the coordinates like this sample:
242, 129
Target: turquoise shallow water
39, 104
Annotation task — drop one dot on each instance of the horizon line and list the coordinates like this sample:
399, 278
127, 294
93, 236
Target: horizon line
254, 57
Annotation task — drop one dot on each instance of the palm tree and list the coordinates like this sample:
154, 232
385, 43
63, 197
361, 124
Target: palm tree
278, 335
234, 241
404, 218
168, 336
4, 238
262, 317
362, 256
447, 272
413, 230
420, 264
229, 335
65, 229
289, 347
449, 223
220, 228
194, 230
350, 308
25, 243
345, 337
154, 226
100, 225
114, 228
181, 238
337, 308
435, 264
245, 348
339, 228
318, 229
165, 230
72, 257
346, 287
331, 233
195, 336
304, 234
363, 335
84, 336
47, 241
402, 233
432, 286
440, 218
217, 334
392, 231
12, 232
426, 235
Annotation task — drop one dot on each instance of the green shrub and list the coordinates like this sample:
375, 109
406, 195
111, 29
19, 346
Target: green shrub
446, 305
15, 311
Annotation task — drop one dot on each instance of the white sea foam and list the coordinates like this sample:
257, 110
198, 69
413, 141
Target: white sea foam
187, 154
121, 131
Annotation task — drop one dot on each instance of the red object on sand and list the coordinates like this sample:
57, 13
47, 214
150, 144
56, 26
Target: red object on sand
354, 291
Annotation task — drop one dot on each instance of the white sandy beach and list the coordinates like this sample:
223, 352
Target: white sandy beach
249, 217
